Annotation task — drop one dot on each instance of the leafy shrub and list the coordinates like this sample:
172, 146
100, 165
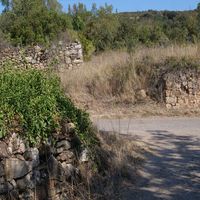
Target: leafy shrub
33, 105
88, 47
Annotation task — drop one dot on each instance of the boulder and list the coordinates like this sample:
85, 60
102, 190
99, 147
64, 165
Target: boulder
15, 168
55, 168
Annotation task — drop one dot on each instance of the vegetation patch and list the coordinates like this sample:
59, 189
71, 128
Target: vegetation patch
183, 63
34, 105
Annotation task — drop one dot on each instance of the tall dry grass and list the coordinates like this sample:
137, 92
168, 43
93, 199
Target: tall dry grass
119, 76
120, 158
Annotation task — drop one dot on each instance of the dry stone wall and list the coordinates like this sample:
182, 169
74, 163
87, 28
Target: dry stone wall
180, 88
43, 172
61, 55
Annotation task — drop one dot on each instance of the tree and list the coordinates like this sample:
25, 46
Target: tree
198, 6
53, 5
6, 4
102, 28
33, 21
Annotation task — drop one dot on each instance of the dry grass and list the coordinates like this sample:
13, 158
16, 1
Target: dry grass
117, 77
120, 158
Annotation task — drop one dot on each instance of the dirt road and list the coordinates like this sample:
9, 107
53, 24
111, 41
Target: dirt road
172, 169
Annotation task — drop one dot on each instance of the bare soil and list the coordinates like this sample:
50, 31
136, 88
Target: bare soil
147, 108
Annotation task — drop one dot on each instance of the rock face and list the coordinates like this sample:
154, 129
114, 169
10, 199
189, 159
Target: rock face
180, 89
4, 151
61, 55
39, 173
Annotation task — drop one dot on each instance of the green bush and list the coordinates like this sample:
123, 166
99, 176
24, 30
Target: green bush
33, 105
88, 47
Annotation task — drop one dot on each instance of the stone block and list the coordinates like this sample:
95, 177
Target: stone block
56, 170
64, 143
15, 168
25, 183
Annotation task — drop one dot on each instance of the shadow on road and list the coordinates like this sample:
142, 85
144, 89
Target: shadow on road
172, 171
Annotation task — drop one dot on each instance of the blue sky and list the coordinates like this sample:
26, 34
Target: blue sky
138, 5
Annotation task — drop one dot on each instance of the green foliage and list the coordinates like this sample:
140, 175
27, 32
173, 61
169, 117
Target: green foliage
88, 47
33, 105
102, 28
174, 64
29, 22
26, 22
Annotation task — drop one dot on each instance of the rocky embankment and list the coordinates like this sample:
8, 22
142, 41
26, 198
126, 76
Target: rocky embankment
60, 55
42, 172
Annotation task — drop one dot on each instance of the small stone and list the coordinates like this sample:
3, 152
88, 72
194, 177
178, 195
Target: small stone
27, 195
19, 156
77, 61
142, 94
33, 61
168, 106
70, 170
37, 49
55, 169
84, 156
32, 155
13, 183
68, 60
70, 127
170, 100
66, 156
28, 59
60, 150
64, 143
5, 187
78, 46
16, 145
60, 43
2, 173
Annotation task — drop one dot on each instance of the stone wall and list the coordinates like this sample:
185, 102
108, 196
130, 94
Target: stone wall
41, 173
61, 55
180, 88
